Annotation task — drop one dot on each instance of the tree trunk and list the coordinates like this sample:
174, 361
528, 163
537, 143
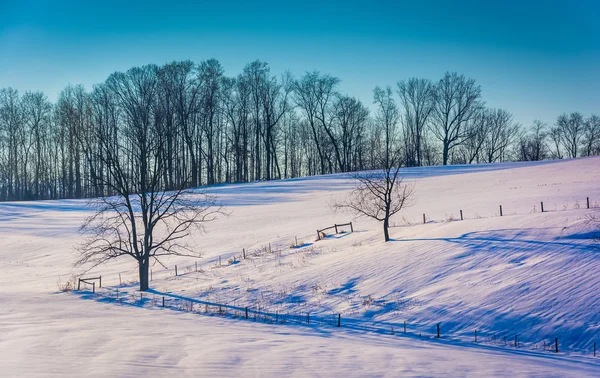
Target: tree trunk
445, 153
143, 268
386, 233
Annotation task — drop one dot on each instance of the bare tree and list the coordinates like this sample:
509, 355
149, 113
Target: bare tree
571, 128
532, 146
382, 193
457, 101
418, 99
501, 133
140, 220
591, 136
350, 119
477, 131
378, 195
556, 137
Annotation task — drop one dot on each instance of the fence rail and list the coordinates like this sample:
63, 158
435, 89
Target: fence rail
320, 234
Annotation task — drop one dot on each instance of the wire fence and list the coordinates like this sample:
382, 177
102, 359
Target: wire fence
333, 321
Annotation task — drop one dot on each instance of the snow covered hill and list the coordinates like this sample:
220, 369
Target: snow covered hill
525, 273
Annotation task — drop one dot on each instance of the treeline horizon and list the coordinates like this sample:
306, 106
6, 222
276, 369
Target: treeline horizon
208, 128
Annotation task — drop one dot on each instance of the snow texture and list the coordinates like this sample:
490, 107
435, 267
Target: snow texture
524, 273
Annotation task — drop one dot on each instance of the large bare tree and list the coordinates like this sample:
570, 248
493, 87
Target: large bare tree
139, 219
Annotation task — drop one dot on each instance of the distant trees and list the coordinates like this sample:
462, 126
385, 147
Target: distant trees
258, 126
574, 136
591, 136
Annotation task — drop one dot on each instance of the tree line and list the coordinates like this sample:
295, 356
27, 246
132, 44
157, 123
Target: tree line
207, 128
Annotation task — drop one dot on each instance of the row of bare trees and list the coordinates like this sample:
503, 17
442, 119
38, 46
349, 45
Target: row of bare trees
211, 128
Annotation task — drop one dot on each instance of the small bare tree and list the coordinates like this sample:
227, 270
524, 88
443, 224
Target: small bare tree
378, 195
382, 193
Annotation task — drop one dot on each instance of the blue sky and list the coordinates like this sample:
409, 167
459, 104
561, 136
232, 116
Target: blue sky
535, 58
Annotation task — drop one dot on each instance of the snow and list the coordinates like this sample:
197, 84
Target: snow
526, 273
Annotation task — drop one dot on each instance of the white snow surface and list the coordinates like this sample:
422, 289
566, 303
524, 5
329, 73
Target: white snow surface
526, 273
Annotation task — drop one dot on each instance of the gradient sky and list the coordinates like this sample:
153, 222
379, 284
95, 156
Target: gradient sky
535, 58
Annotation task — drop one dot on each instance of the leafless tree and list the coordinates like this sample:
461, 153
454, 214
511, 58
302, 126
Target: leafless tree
381, 193
378, 195
458, 100
532, 146
502, 131
418, 99
477, 131
556, 139
571, 128
140, 220
591, 136
350, 117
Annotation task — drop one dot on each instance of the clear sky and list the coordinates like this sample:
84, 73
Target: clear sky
535, 58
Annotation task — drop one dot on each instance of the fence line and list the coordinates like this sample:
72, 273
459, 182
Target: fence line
334, 320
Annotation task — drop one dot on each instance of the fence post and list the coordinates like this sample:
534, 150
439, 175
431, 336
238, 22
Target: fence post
141, 297
175, 270
308, 318
318, 235
163, 301
542, 206
461, 216
405, 326
351, 228
246, 312
339, 320
117, 293
336, 229
588, 202
556, 344
100, 277
244, 253
78, 284
423, 218
438, 330
500, 210
93, 287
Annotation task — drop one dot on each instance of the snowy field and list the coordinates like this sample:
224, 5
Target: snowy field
525, 273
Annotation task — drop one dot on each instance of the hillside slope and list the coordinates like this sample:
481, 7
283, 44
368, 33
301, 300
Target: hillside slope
525, 273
